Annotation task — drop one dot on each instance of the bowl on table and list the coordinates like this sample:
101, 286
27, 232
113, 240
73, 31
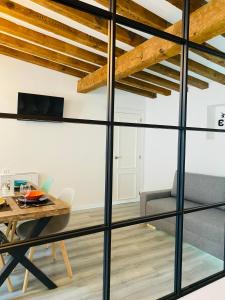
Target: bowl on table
34, 195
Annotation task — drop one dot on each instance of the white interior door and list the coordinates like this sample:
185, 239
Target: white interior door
128, 147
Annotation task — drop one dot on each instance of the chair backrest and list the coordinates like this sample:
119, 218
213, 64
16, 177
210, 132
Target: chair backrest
58, 223
46, 185
67, 195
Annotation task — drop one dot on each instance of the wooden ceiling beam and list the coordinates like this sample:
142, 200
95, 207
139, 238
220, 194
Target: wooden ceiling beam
45, 53
155, 50
145, 86
155, 79
68, 61
164, 70
202, 70
50, 42
215, 59
40, 62
64, 69
194, 5
97, 23
47, 41
36, 19
136, 12
100, 24
134, 90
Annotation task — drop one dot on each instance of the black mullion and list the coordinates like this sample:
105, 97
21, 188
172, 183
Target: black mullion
109, 155
88, 8
149, 29
106, 123
181, 153
203, 48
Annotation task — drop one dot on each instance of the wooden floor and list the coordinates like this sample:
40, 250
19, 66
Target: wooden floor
142, 263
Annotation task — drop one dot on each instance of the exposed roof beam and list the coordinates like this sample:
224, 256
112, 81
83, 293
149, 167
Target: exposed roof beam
215, 59
50, 42
134, 90
145, 86
55, 44
164, 70
97, 23
136, 12
68, 49
100, 24
202, 70
157, 80
194, 4
205, 23
45, 53
41, 62
64, 69
68, 61
34, 18
37, 19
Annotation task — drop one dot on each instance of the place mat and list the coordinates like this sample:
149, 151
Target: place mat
29, 205
5, 207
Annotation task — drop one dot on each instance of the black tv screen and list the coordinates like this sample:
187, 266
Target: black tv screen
39, 105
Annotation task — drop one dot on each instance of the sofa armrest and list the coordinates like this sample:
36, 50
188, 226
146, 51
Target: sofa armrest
152, 195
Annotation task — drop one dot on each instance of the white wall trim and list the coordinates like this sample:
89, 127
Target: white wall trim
101, 205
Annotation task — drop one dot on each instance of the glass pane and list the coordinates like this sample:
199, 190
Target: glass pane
206, 105
203, 249
205, 177
157, 14
62, 166
154, 89
75, 48
143, 261
85, 258
143, 171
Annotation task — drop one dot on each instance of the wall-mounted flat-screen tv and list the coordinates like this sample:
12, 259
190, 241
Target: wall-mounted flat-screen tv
39, 106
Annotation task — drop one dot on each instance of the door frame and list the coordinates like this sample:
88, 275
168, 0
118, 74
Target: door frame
124, 109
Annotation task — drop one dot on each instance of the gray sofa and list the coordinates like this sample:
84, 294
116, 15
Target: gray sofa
205, 229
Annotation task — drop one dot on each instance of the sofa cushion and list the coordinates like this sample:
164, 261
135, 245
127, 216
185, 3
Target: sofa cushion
162, 205
202, 229
202, 189
208, 224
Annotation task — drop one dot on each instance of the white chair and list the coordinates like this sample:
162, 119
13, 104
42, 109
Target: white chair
57, 224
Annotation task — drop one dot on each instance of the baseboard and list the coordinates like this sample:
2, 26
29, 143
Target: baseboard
99, 205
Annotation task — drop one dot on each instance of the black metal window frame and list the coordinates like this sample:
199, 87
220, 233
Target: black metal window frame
110, 124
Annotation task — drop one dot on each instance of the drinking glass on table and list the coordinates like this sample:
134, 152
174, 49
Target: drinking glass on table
25, 189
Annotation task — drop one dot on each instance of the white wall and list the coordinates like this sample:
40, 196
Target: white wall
204, 155
73, 154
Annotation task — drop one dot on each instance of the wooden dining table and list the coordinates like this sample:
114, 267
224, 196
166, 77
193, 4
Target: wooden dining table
43, 214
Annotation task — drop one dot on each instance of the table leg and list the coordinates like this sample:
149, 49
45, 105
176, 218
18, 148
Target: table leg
8, 280
19, 256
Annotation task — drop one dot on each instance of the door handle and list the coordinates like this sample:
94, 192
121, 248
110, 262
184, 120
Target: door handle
117, 157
